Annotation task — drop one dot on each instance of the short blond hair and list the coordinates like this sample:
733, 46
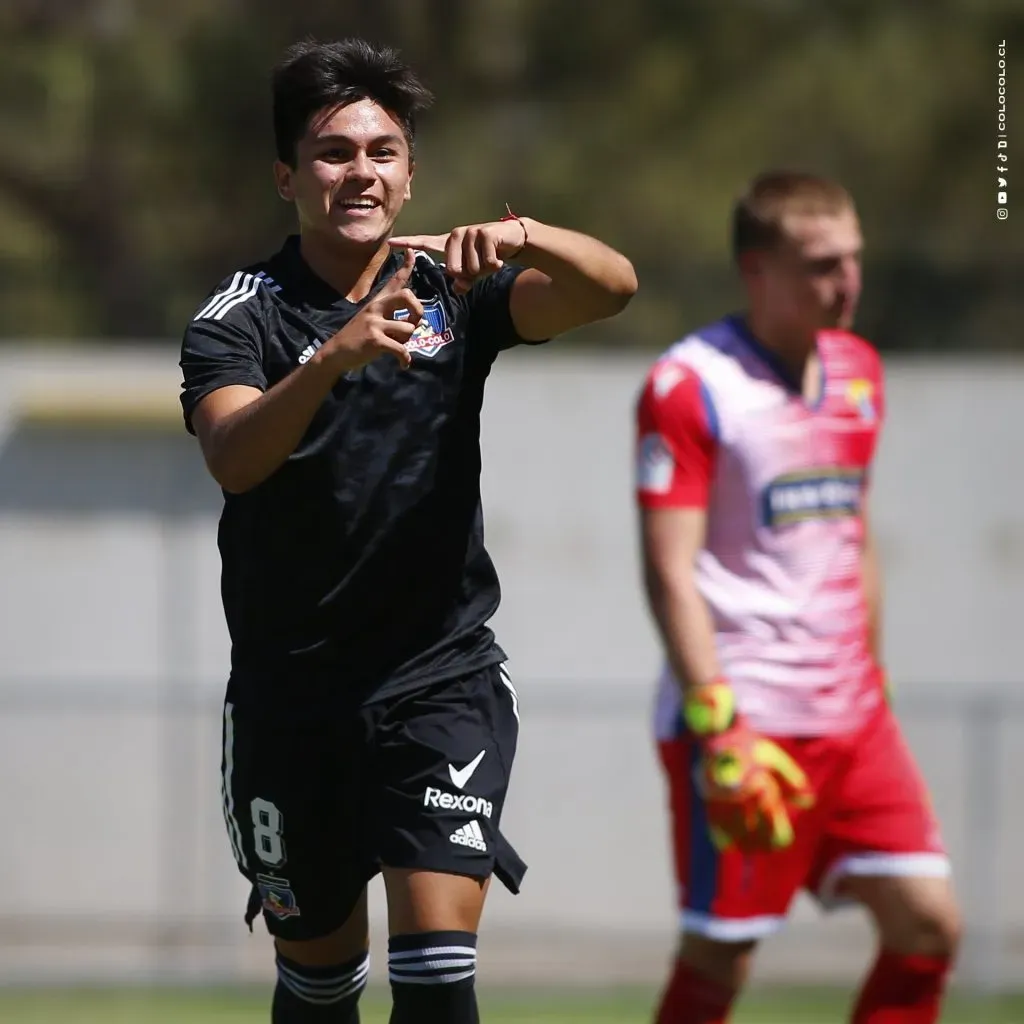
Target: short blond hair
758, 213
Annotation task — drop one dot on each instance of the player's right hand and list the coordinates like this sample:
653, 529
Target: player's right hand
750, 785
374, 332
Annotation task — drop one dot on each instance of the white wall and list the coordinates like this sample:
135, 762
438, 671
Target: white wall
112, 807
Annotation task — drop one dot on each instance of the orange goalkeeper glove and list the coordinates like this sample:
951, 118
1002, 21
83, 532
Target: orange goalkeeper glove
749, 783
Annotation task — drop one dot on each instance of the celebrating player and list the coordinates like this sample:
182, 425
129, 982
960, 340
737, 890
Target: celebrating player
336, 388
786, 768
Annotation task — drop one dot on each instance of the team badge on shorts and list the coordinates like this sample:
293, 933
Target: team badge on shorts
432, 333
278, 898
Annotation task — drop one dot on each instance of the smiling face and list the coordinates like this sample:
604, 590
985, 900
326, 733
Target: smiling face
352, 175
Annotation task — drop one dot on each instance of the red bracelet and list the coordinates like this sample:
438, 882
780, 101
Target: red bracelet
526, 237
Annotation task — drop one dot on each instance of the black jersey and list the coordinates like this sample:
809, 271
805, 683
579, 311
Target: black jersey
359, 566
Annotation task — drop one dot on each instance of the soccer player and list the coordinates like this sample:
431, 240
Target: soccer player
785, 765
335, 388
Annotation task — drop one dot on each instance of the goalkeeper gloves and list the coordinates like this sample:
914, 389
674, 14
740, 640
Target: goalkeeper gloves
749, 783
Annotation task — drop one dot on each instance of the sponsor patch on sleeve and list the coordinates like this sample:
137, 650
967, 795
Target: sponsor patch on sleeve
655, 465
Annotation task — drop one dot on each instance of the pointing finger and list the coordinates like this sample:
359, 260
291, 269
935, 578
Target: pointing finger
431, 243
401, 276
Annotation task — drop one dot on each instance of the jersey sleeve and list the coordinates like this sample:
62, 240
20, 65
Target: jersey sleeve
879, 392
877, 378
215, 354
490, 312
676, 440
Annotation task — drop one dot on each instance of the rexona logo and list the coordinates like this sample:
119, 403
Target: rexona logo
815, 494
457, 802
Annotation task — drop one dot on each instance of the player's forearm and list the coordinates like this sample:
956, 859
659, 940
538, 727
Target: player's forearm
253, 442
598, 280
686, 628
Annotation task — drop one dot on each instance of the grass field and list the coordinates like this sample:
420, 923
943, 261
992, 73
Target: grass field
251, 1007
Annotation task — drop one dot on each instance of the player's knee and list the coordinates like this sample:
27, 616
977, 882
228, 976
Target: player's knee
345, 944
929, 927
336, 948
935, 929
727, 963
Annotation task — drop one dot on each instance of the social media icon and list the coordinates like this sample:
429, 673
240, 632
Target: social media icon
1000, 197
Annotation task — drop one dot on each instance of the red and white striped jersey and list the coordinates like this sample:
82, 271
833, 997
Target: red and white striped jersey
784, 483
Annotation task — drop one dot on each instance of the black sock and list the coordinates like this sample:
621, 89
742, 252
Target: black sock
432, 978
319, 995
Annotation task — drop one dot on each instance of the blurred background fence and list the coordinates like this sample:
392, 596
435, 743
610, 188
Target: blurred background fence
114, 864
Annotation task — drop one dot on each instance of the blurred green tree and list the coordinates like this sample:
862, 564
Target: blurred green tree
135, 146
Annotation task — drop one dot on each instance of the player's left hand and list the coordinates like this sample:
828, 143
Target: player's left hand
749, 783
750, 786
470, 252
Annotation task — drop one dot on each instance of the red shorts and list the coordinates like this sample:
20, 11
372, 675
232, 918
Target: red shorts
872, 817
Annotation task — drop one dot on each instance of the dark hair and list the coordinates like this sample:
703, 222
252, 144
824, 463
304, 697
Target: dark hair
312, 76
757, 215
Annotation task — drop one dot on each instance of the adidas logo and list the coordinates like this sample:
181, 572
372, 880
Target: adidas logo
470, 835
308, 352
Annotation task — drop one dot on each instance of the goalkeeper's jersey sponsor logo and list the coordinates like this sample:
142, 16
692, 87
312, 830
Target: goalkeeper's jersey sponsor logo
812, 494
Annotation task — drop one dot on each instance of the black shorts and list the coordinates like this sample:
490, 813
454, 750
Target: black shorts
315, 808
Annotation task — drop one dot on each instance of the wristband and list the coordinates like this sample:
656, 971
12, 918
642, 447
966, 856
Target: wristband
710, 709
526, 237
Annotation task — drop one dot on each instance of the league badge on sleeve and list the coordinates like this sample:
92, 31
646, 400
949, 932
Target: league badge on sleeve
432, 333
860, 393
654, 465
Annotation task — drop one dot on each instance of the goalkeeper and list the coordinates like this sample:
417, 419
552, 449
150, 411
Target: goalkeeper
786, 767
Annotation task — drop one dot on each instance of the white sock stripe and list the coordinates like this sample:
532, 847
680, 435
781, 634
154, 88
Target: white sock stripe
309, 995
318, 999
249, 292
436, 979
234, 831
324, 991
339, 981
432, 951
434, 965
217, 299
